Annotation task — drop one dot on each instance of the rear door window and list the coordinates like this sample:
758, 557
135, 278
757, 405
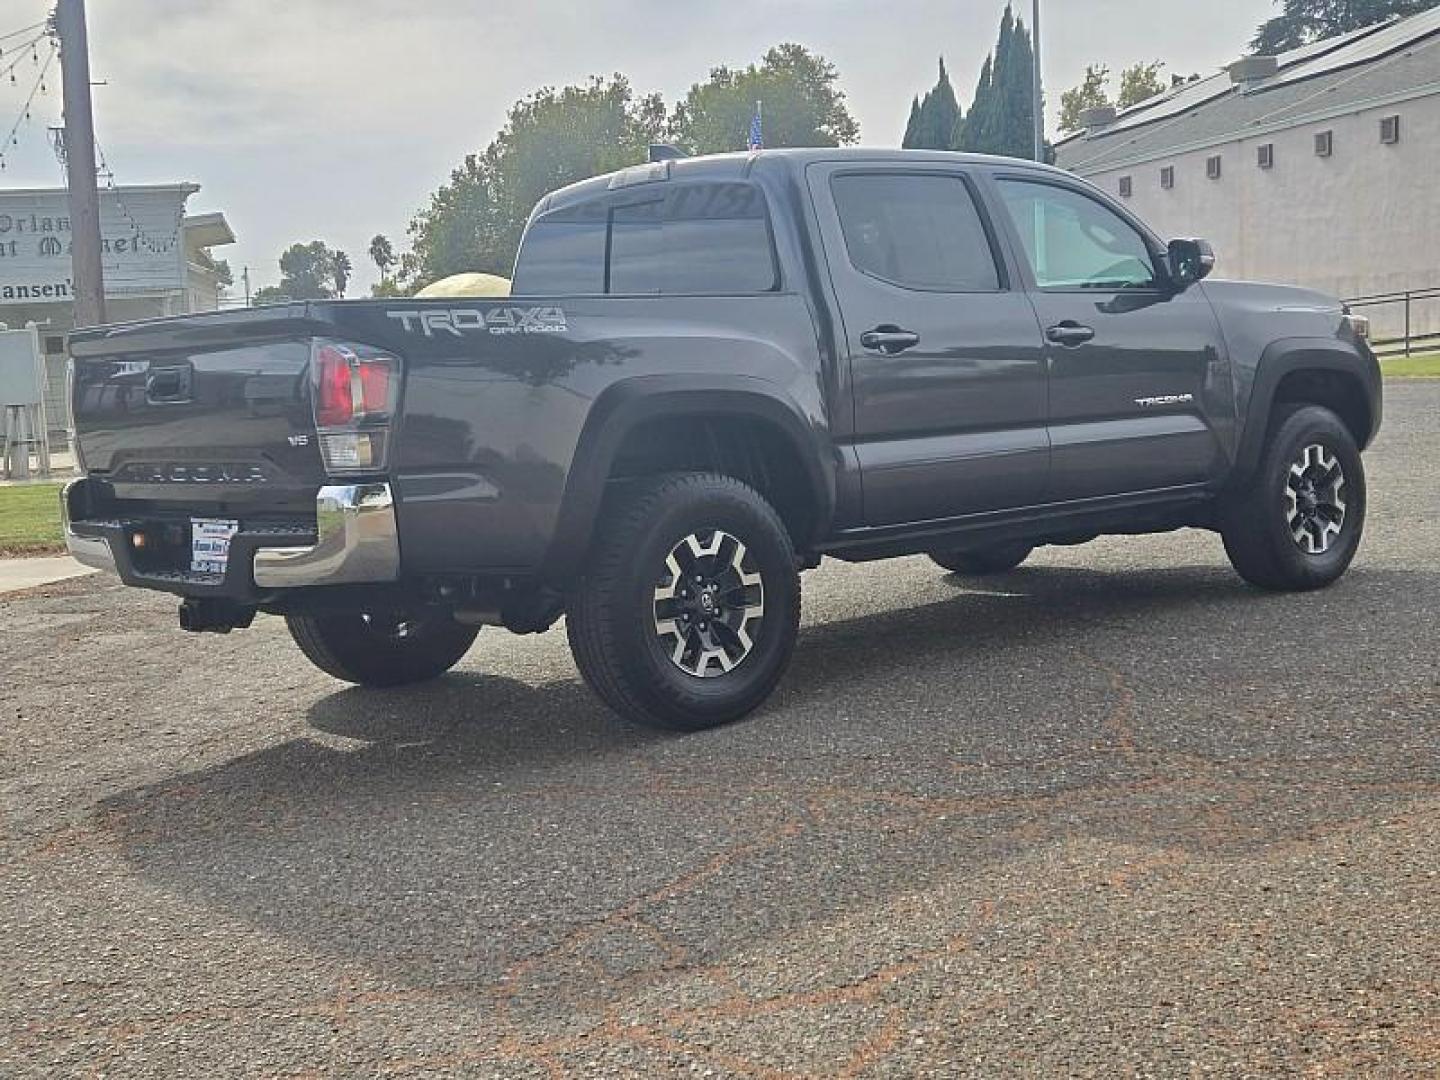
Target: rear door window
917, 231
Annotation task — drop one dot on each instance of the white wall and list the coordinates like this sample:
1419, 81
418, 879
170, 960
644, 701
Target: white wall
1365, 220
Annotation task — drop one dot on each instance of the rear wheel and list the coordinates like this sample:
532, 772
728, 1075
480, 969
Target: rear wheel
382, 649
977, 562
1298, 522
687, 612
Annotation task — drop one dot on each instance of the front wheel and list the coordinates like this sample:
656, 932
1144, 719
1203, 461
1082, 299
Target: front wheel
382, 649
1298, 522
686, 614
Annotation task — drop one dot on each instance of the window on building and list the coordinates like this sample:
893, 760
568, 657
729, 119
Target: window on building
1127, 187
1075, 242
1324, 143
1212, 167
1390, 130
1265, 155
690, 239
54, 346
918, 232
1167, 177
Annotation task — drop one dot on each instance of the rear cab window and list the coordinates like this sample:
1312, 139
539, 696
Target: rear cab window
681, 239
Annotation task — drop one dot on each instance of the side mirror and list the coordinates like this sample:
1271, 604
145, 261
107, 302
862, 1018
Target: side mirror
1190, 261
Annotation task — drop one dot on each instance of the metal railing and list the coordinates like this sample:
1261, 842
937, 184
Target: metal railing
1412, 340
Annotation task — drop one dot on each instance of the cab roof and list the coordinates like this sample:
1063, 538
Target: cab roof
741, 165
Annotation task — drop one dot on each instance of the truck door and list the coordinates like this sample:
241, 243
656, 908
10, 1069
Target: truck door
945, 352
1139, 378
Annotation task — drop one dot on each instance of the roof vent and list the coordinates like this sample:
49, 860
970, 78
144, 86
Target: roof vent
1097, 119
1249, 71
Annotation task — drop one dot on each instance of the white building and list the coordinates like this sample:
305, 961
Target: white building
155, 259
1320, 167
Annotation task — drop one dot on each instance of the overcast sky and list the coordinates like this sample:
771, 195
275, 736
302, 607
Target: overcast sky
335, 119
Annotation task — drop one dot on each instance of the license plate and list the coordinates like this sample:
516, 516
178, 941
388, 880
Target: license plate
210, 545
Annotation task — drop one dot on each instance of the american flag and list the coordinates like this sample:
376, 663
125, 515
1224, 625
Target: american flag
757, 130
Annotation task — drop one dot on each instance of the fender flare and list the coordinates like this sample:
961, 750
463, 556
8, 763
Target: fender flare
625, 405
1285, 357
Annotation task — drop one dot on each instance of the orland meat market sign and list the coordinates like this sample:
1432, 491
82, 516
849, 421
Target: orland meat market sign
141, 245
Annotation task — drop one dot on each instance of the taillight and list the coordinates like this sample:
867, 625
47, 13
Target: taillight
334, 393
355, 391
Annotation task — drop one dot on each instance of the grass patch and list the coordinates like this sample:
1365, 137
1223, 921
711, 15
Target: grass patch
1410, 367
30, 520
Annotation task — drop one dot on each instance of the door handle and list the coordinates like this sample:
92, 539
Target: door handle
1069, 333
889, 339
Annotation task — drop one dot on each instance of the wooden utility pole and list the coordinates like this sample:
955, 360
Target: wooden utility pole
89, 275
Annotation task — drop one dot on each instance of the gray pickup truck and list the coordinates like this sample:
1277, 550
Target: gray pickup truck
712, 373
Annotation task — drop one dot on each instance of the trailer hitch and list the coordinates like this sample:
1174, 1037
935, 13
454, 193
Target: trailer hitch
214, 616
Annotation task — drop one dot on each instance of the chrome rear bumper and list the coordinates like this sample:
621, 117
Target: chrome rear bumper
359, 541
93, 551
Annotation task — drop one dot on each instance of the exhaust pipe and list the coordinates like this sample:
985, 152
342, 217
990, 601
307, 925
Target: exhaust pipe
214, 616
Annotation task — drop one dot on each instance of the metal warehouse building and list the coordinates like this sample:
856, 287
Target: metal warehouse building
1319, 167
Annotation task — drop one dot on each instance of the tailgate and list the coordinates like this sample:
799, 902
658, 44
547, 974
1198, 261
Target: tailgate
208, 412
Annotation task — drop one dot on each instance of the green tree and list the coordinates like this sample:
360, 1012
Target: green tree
224, 277
1304, 21
1090, 94
550, 139
982, 110
340, 271
270, 294
912, 126
1002, 116
803, 105
310, 271
382, 254
935, 122
1140, 82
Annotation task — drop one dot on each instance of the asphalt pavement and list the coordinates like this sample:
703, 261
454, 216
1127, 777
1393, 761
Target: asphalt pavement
1115, 813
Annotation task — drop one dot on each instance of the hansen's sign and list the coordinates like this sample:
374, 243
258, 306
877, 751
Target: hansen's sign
141, 248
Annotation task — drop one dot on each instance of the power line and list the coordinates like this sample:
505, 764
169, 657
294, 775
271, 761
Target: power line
38, 88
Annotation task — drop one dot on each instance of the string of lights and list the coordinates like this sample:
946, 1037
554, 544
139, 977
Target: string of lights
147, 240
30, 50
43, 25
12, 139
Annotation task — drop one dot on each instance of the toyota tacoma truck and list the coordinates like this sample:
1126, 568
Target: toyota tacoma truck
712, 373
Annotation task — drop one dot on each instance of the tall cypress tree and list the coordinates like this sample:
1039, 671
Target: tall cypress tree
934, 123
912, 128
975, 132
1002, 117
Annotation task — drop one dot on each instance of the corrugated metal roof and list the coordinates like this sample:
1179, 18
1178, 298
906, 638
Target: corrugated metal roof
1375, 63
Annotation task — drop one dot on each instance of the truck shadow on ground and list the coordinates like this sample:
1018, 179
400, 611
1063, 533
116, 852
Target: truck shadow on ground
442, 835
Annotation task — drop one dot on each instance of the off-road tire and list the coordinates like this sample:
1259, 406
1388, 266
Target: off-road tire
978, 562
372, 650
613, 618
1254, 519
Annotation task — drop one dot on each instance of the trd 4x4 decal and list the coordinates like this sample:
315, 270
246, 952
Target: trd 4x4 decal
498, 320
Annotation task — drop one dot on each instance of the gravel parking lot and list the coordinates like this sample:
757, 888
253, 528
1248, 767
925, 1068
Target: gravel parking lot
1115, 813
